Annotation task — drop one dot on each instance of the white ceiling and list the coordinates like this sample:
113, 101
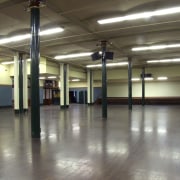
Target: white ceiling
83, 33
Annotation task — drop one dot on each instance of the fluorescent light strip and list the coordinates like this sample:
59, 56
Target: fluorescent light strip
28, 36
51, 31
73, 55
143, 15
42, 78
135, 79
8, 62
148, 79
155, 47
52, 77
108, 65
164, 61
75, 80
162, 78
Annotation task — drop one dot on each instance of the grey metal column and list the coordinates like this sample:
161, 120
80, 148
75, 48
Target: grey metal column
130, 83
104, 80
35, 56
20, 83
143, 86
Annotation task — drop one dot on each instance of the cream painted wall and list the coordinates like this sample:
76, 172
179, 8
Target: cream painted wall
52, 68
122, 73
5, 75
77, 72
42, 67
152, 89
77, 84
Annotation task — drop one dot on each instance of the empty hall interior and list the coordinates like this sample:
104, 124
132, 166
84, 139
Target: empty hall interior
89, 90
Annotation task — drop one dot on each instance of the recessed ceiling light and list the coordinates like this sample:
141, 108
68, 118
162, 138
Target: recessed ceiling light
155, 47
164, 61
108, 65
142, 15
73, 55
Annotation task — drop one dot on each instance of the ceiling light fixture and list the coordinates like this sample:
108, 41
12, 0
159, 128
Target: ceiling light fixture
164, 61
148, 78
162, 78
28, 36
42, 78
75, 80
51, 31
108, 65
68, 56
135, 79
142, 15
52, 77
155, 47
7, 62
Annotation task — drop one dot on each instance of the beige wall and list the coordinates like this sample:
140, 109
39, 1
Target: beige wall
5, 75
152, 89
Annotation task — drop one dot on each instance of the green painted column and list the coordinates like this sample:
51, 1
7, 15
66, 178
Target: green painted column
104, 80
143, 86
130, 83
21, 83
35, 56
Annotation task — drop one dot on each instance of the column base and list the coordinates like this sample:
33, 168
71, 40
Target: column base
90, 104
64, 106
16, 111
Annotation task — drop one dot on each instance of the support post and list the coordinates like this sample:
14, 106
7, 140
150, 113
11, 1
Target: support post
35, 56
130, 83
16, 83
64, 70
143, 86
21, 83
104, 80
90, 87
25, 86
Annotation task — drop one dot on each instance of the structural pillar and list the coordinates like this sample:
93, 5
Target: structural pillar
16, 83
104, 80
35, 56
130, 83
21, 83
25, 86
143, 86
90, 87
64, 99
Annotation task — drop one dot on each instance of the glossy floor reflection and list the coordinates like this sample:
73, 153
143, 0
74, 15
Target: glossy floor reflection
77, 145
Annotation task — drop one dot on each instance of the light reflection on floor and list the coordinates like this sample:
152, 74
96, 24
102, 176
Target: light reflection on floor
77, 144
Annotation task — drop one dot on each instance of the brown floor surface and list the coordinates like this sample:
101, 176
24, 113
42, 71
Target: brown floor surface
76, 144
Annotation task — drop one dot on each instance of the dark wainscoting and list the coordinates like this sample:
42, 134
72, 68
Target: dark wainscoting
137, 100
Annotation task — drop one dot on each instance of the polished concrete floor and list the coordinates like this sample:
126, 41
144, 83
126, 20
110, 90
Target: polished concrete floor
76, 144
